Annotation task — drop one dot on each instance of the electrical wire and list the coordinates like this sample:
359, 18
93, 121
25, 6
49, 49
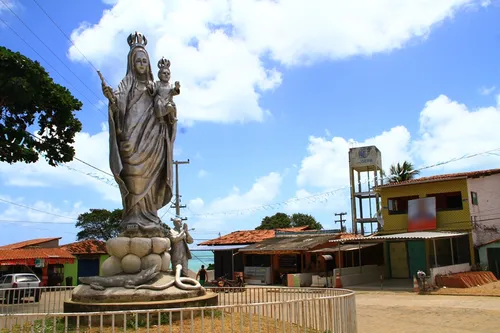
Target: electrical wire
35, 209
48, 48
65, 35
50, 66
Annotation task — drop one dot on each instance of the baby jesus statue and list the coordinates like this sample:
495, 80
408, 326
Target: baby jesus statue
164, 105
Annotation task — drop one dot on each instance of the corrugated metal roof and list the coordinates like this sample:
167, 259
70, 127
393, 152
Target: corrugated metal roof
295, 243
406, 235
344, 248
217, 247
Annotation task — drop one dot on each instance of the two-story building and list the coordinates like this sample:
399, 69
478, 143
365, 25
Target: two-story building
449, 213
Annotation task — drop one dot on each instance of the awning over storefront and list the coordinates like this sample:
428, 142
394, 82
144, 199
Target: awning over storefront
295, 244
403, 236
344, 248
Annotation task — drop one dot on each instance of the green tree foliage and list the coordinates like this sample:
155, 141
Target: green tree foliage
282, 220
300, 220
402, 171
99, 224
30, 98
278, 220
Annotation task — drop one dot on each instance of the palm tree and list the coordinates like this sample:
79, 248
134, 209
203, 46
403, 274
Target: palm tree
401, 172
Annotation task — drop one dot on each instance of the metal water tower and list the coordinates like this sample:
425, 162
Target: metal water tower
365, 173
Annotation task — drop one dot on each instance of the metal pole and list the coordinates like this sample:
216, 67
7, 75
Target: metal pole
435, 253
340, 266
177, 195
177, 203
452, 254
359, 248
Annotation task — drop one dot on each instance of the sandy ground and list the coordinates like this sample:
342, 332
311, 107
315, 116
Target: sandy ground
407, 312
490, 289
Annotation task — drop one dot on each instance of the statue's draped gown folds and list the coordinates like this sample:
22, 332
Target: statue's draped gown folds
141, 149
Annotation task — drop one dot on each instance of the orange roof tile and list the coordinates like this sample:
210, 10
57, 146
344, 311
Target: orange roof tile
27, 243
36, 253
348, 236
248, 236
89, 246
448, 176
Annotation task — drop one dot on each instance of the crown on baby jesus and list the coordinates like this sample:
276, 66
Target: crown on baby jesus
137, 39
164, 63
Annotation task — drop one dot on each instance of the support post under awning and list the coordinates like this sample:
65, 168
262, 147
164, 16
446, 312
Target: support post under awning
435, 253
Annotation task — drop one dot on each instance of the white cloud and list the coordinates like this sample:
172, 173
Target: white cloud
202, 173
93, 149
448, 130
327, 165
487, 90
218, 48
263, 191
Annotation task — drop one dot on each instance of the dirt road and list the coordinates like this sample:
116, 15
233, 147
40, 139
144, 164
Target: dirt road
406, 312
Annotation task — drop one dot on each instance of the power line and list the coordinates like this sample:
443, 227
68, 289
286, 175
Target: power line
50, 66
41, 41
323, 196
340, 220
65, 35
35, 209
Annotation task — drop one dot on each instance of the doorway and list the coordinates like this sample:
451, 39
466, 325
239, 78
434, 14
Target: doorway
494, 261
398, 260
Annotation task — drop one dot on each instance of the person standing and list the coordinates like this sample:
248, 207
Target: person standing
202, 274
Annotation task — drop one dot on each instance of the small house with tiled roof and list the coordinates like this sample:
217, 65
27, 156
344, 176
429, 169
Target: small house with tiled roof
464, 207
41, 256
264, 256
89, 254
227, 260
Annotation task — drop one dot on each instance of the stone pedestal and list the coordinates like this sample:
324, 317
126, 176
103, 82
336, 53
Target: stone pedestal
129, 256
208, 299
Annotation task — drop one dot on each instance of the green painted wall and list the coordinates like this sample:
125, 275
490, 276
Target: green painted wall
483, 256
101, 260
72, 269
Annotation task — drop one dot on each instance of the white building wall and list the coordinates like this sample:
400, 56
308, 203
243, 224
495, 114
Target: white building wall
486, 214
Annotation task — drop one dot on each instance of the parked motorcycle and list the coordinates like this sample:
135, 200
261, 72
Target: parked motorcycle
223, 284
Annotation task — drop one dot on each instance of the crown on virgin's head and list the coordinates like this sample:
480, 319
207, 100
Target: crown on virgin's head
163, 63
135, 39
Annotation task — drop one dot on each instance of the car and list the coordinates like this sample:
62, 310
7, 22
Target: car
19, 286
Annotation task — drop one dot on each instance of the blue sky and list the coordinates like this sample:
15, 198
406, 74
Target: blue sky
272, 94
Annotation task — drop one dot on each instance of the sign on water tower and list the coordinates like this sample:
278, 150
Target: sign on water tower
363, 157
365, 173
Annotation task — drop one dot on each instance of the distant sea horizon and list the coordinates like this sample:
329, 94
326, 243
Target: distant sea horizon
200, 258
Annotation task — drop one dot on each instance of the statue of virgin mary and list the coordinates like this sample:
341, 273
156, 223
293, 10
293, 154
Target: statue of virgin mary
141, 147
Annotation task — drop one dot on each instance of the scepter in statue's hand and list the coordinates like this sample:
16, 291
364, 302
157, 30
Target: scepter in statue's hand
108, 93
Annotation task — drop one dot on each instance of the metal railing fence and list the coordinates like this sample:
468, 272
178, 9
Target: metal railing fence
249, 309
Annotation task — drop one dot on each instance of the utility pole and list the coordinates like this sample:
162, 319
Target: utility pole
177, 203
340, 220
